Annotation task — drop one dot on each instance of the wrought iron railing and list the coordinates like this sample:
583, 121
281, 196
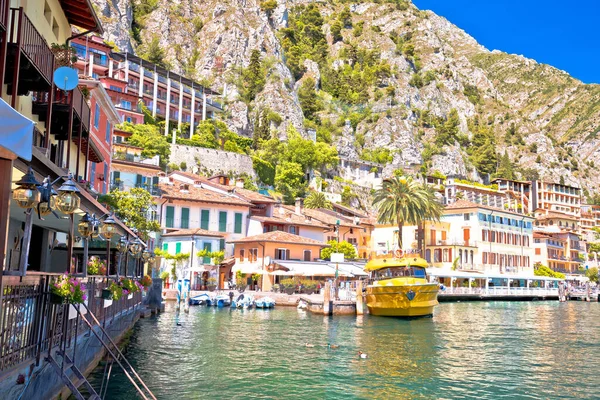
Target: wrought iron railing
31, 42
31, 325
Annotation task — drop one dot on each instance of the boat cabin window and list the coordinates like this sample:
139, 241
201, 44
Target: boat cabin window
395, 272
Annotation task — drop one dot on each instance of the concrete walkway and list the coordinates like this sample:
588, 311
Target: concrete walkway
281, 299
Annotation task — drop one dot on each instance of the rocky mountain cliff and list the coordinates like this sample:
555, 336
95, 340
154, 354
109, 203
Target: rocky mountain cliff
382, 80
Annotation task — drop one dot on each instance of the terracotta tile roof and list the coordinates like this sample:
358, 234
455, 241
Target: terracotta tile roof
357, 212
462, 204
244, 194
252, 196
290, 218
195, 232
199, 194
541, 235
555, 214
280, 237
135, 167
331, 217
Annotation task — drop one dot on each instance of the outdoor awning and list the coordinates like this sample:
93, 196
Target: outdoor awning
307, 269
16, 133
352, 269
249, 269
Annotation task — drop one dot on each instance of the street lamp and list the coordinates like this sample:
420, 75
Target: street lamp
109, 228
136, 247
27, 194
85, 226
68, 200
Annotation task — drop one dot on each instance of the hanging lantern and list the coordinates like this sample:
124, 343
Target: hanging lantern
109, 228
46, 207
136, 247
145, 255
85, 226
27, 194
68, 201
122, 245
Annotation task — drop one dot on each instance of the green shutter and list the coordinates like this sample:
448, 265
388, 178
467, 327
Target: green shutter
222, 244
166, 247
116, 175
207, 247
222, 221
238, 223
177, 247
169, 220
204, 219
185, 218
138, 180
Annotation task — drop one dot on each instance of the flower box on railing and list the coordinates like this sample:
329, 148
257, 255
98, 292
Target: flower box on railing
73, 310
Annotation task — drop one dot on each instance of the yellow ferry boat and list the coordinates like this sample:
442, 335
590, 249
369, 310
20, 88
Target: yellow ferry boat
398, 287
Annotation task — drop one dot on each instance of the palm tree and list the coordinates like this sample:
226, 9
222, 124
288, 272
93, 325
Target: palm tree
317, 200
402, 200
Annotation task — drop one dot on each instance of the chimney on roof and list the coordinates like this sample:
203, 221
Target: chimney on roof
299, 206
239, 183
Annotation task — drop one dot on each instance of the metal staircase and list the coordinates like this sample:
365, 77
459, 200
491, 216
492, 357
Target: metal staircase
114, 354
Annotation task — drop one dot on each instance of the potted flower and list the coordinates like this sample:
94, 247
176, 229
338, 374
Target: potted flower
240, 281
211, 283
114, 291
309, 286
96, 266
67, 290
255, 280
289, 285
146, 282
129, 287
165, 277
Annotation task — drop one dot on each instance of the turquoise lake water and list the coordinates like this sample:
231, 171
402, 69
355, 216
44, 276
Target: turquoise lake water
512, 350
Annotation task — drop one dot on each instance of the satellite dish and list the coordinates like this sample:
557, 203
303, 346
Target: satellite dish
66, 78
268, 260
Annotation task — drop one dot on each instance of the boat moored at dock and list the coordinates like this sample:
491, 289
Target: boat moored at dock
398, 287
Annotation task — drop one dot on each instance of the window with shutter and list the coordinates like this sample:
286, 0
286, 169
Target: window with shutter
169, 220
204, 219
222, 221
208, 248
242, 252
138, 180
166, 247
307, 255
238, 223
177, 247
185, 218
222, 244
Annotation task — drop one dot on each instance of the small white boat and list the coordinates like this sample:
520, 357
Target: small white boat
244, 301
222, 300
302, 305
201, 299
265, 302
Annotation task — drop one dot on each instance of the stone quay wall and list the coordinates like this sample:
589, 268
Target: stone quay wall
211, 161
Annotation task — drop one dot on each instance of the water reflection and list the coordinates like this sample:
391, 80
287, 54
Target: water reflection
467, 350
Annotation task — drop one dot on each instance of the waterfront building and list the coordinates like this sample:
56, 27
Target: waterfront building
33, 248
498, 240
549, 250
251, 253
518, 190
131, 169
590, 218
193, 206
555, 197
192, 241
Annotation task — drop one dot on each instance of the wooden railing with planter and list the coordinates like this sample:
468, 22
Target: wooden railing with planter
30, 325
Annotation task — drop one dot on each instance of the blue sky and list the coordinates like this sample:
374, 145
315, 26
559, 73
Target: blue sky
565, 35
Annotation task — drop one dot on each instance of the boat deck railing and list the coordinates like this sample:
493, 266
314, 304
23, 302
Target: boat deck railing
499, 291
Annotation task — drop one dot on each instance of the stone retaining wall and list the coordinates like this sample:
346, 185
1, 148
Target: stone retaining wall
210, 161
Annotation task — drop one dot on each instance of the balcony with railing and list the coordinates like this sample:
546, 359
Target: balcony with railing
4, 14
62, 104
30, 61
